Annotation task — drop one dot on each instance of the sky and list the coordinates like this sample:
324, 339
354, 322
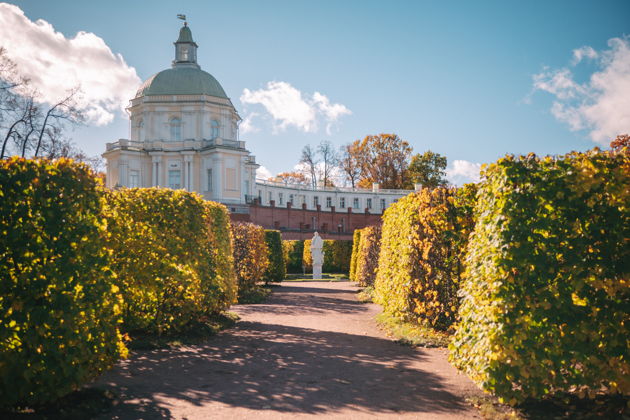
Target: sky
472, 81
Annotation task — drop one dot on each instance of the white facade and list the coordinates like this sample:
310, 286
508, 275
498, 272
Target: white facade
373, 201
184, 134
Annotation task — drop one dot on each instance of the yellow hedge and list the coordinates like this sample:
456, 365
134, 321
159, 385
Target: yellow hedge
368, 253
250, 255
356, 238
423, 241
546, 300
293, 252
59, 306
171, 252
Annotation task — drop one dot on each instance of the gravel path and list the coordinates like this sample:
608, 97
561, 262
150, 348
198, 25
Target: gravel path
312, 350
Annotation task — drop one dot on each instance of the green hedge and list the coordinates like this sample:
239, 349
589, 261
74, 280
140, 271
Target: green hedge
421, 259
171, 254
250, 256
337, 254
367, 255
60, 308
276, 271
307, 258
356, 238
546, 300
293, 253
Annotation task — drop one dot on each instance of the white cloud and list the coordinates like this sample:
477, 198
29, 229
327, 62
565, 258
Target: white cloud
602, 104
247, 125
288, 106
263, 173
55, 64
584, 52
462, 172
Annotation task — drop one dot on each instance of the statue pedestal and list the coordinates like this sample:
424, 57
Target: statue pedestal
317, 271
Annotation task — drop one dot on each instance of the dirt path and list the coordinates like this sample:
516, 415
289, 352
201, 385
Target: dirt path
312, 350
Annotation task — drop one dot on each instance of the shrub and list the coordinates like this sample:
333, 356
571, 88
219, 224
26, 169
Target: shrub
546, 296
337, 255
368, 253
307, 258
421, 260
356, 238
276, 271
171, 254
293, 253
60, 309
250, 256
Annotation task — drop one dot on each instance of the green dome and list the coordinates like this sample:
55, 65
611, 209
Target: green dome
185, 35
181, 81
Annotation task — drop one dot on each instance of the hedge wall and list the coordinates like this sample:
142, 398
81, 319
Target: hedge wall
421, 259
356, 238
171, 254
546, 300
250, 255
367, 255
59, 307
307, 258
293, 254
337, 254
276, 271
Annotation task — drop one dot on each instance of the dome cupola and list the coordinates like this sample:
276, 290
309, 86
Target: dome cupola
185, 48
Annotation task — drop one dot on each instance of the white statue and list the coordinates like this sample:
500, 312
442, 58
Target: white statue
318, 255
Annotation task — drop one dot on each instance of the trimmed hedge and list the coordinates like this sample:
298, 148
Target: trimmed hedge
293, 254
60, 308
546, 300
307, 258
356, 238
276, 271
171, 254
250, 256
423, 242
337, 254
368, 253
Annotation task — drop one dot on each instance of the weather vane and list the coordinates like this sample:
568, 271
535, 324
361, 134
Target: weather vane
182, 17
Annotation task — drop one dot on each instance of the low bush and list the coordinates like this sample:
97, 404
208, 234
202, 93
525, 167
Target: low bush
60, 307
293, 254
545, 303
356, 238
170, 251
368, 253
250, 256
423, 242
276, 271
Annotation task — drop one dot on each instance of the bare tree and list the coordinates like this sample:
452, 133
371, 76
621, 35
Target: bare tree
25, 122
329, 160
349, 164
310, 162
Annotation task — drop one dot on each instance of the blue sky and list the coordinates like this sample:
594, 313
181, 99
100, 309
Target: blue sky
456, 77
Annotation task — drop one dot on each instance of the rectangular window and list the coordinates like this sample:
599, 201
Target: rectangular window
280, 199
291, 199
355, 203
270, 196
315, 201
134, 179
342, 202
230, 179
369, 203
174, 179
328, 202
209, 176
383, 204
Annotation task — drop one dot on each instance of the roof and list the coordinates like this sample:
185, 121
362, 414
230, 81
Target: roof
182, 81
185, 35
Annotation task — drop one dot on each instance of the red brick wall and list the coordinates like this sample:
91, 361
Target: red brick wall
300, 223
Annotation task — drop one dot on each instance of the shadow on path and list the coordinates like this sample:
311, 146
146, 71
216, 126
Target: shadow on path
287, 369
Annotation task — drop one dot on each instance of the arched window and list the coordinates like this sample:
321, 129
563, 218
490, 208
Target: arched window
215, 129
176, 129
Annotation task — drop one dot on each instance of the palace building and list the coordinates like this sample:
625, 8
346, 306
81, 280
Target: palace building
184, 133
